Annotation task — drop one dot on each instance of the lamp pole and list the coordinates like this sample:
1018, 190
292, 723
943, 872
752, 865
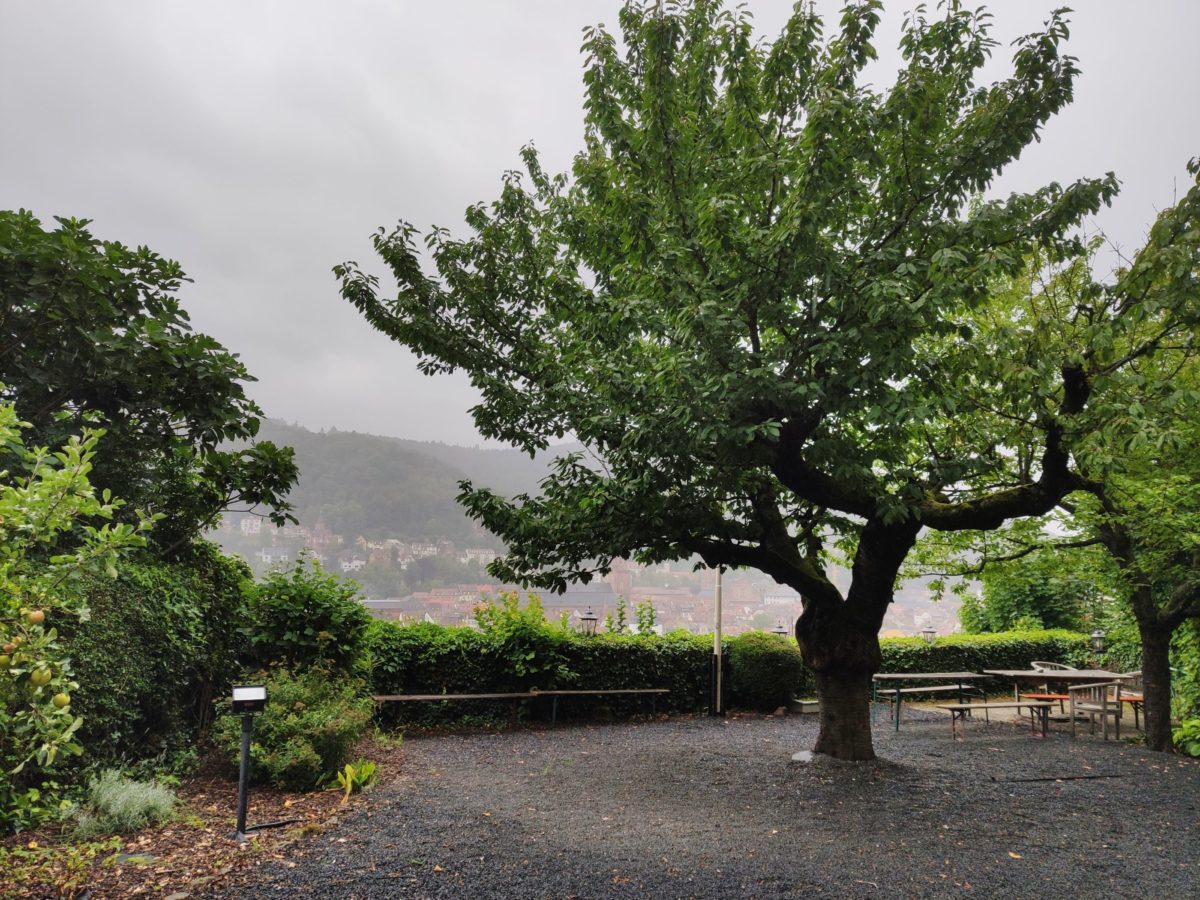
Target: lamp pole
244, 777
716, 705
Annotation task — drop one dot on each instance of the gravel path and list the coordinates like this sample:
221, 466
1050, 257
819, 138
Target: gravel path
705, 808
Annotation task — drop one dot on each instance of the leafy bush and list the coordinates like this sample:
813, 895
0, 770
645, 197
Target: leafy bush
119, 805
765, 671
305, 617
527, 651
1187, 737
158, 647
44, 500
312, 720
1185, 677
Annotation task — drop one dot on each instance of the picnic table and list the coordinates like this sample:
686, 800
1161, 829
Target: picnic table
956, 682
1054, 676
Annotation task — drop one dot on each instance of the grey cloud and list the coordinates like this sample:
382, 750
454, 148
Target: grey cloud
260, 143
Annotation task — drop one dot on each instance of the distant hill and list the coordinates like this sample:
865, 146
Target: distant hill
389, 487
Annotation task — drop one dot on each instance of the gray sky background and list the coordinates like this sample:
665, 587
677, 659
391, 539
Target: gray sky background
260, 143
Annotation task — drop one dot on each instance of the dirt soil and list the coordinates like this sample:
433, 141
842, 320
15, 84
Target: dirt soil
709, 808
191, 851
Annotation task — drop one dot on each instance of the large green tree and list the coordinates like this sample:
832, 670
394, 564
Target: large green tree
1135, 450
96, 329
754, 302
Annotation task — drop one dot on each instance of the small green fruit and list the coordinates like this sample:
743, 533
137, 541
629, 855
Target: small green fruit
61, 700
36, 617
5, 661
41, 677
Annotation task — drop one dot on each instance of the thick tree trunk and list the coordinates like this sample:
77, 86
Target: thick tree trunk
839, 639
843, 655
845, 715
1156, 676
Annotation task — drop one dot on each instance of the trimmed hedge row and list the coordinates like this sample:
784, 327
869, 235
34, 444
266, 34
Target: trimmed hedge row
762, 672
976, 652
432, 659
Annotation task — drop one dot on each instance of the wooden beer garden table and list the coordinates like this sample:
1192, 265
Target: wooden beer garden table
951, 681
1054, 676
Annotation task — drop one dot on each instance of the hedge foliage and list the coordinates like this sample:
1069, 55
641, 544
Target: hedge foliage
766, 671
159, 645
305, 617
432, 659
763, 672
976, 652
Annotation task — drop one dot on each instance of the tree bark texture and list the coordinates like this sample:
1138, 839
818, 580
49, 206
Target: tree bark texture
1156, 678
845, 716
843, 656
839, 640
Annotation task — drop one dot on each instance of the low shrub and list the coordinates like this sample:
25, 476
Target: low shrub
312, 721
765, 671
305, 617
119, 805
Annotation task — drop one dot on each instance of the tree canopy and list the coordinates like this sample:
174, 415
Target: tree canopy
96, 329
758, 301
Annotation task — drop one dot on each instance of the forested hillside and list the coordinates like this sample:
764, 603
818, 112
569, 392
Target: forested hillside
362, 484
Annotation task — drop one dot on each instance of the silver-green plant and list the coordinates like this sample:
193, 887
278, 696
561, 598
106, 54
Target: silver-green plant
118, 805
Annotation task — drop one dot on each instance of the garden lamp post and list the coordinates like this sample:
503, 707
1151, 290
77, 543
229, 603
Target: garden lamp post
1097, 640
249, 700
780, 629
587, 623
929, 634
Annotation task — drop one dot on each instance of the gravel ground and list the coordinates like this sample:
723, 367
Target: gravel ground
708, 808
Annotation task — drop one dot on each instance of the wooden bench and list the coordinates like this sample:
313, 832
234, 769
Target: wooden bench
893, 696
516, 697
1039, 712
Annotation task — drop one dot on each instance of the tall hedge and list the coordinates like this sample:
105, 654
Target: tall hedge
976, 652
431, 659
762, 672
161, 641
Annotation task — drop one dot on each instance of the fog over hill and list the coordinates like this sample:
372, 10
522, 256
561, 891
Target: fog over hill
364, 484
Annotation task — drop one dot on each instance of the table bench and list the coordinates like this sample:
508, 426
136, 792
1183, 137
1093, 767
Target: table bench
517, 696
1039, 712
894, 695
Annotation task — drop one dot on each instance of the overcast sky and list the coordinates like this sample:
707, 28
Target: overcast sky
260, 143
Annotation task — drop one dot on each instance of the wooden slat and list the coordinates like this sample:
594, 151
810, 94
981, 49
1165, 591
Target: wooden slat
528, 695
1031, 704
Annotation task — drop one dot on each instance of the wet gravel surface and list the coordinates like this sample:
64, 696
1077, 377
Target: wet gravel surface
705, 808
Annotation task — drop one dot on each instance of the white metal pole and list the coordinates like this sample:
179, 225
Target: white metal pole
718, 703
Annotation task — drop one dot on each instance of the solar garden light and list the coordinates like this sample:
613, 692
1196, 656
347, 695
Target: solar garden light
249, 700
929, 634
1097, 641
587, 623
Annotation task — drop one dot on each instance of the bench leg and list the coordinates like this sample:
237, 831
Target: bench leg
553, 711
